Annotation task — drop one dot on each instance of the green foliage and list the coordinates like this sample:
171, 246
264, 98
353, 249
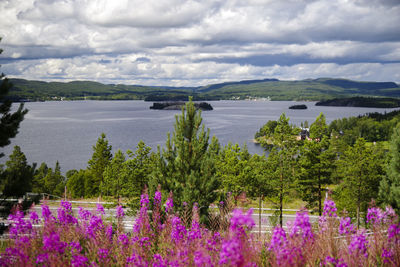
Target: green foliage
371, 127
112, 184
186, 166
317, 163
136, 173
389, 189
232, 169
101, 158
18, 175
282, 162
9, 122
38, 185
373, 102
361, 169
317, 89
264, 135
77, 183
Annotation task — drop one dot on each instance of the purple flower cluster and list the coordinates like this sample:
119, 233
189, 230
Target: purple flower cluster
46, 213
92, 241
346, 227
65, 214
375, 215
157, 198
120, 212
20, 226
52, 243
329, 208
394, 233
169, 205
178, 232
84, 214
359, 244
284, 254
241, 221
231, 253
302, 226
100, 209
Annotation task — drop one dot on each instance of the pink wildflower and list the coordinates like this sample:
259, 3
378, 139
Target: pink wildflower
120, 212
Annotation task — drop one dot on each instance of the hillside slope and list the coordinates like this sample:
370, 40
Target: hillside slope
310, 89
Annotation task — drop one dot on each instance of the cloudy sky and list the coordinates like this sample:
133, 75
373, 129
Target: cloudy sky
198, 42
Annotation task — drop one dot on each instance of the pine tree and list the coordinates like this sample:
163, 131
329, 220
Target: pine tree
9, 122
361, 169
389, 189
231, 166
38, 185
317, 162
112, 184
136, 173
18, 176
282, 162
54, 182
186, 166
97, 164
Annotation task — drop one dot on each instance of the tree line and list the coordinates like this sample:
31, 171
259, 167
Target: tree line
197, 169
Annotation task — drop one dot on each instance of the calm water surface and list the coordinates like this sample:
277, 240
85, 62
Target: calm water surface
66, 131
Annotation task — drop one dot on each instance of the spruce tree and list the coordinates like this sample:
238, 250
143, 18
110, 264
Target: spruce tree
231, 166
317, 162
97, 164
389, 189
112, 184
54, 182
136, 173
361, 168
76, 184
18, 176
186, 166
38, 180
282, 162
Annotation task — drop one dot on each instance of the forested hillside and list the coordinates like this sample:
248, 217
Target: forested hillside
318, 89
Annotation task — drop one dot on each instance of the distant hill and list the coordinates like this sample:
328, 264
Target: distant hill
274, 89
370, 102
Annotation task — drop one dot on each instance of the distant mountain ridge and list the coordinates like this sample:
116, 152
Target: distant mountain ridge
274, 89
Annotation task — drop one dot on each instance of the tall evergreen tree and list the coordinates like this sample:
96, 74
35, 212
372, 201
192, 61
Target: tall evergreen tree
113, 183
231, 165
97, 164
361, 168
38, 179
317, 162
54, 181
282, 162
389, 189
136, 173
186, 165
18, 176
9, 122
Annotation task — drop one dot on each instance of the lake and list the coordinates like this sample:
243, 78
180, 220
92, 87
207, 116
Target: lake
67, 130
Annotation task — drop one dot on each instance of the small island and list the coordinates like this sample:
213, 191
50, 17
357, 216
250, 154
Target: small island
367, 102
178, 106
302, 106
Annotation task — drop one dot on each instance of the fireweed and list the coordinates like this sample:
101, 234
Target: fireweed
162, 239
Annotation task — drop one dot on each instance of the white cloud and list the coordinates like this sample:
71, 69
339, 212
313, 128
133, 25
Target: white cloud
193, 42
